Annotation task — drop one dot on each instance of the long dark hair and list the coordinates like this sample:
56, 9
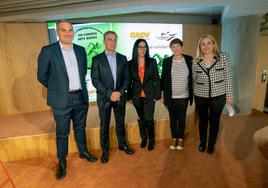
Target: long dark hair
135, 50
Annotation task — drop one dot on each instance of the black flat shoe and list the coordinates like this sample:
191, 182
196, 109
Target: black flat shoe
143, 143
88, 156
126, 149
202, 147
61, 170
104, 158
150, 146
210, 149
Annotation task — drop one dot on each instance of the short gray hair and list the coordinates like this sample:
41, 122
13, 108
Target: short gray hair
61, 21
109, 32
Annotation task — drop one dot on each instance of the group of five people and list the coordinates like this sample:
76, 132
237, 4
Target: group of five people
62, 67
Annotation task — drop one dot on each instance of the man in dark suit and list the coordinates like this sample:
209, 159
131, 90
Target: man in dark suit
62, 67
110, 76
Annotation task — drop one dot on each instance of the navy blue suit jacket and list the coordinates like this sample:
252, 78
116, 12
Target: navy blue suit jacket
102, 79
52, 73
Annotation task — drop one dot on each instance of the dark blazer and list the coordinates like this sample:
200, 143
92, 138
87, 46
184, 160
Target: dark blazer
151, 81
52, 73
102, 79
166, 79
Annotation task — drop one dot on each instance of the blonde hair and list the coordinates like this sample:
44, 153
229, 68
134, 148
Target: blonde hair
200, 54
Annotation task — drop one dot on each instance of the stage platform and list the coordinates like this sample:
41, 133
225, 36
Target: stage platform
30, 135
236, 162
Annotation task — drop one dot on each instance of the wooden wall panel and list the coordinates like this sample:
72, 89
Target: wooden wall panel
20, 45
20, 92
32, 145
25, 147
192, 33
262, 63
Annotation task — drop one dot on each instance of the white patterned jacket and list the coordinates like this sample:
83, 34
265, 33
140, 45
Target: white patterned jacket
213, 81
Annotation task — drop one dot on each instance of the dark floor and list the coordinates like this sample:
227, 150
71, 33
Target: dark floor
236, 163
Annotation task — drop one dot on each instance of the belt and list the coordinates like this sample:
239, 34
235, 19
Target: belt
75, 91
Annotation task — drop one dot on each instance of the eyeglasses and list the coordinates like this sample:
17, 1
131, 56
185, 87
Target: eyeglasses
142, 47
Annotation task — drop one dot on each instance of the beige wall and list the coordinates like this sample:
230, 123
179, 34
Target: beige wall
240, 40
192, 33
262, 63
20, 44
19, 47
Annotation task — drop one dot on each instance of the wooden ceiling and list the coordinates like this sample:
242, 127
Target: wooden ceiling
24, 5
47, 10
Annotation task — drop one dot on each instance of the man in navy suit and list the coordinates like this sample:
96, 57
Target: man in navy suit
110, 76
62, 67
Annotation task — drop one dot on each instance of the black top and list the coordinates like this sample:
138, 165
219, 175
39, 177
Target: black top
151, 81
166, 86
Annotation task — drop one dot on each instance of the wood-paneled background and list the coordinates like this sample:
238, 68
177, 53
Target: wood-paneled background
20, 44
262, 64
192, 33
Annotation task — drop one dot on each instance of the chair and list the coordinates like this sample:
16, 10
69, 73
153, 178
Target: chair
8, 179
260, 138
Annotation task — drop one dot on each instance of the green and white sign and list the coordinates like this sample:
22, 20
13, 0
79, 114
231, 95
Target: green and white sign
90, 36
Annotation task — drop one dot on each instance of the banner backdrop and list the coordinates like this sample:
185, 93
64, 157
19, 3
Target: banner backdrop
90, 36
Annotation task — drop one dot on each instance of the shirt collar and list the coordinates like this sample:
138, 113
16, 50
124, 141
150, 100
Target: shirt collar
62, 47
108, 54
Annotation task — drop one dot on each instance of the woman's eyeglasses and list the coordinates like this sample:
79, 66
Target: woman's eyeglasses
142, 47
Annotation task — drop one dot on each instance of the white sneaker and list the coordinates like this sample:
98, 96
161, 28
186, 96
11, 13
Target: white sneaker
180, 145
179, 148
172, 147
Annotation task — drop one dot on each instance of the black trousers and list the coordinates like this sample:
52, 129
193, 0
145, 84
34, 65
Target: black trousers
177, 115
209, 109
145, 110
105, 117
77, 112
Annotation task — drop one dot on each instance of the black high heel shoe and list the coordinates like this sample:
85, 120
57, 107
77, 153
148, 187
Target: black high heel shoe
143, 143
202, 147
210, 149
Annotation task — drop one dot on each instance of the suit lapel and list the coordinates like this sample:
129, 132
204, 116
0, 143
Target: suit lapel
60, 58
202, 63
117, 67
214, 61
135, 67
107, 65
146, 70
169, 65
79, 62
186, 60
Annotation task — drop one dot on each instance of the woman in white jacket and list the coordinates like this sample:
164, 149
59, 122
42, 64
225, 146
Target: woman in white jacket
212, 88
